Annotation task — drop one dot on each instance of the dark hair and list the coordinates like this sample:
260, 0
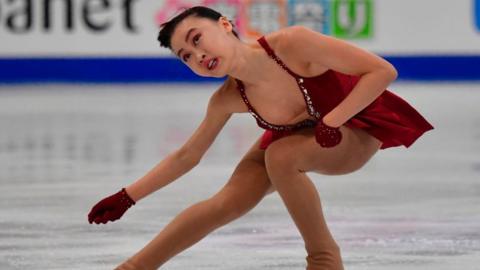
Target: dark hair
165, 34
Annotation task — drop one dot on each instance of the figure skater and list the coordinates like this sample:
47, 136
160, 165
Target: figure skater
323, 104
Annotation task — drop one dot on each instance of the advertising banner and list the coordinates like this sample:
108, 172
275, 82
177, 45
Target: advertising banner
130, 27
73, 38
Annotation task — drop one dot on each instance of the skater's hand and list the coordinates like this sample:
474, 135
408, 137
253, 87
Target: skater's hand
327, 136
111, 208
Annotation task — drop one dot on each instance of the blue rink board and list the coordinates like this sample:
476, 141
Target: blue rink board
157, 70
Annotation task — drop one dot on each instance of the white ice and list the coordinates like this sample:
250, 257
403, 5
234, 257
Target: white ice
65, 147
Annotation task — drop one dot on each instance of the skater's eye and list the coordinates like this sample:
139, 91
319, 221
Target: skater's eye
195, 39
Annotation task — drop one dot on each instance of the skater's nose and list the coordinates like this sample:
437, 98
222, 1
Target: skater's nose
201, 58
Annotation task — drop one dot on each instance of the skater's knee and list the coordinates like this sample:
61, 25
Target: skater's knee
230, 207
226, 208
281, 162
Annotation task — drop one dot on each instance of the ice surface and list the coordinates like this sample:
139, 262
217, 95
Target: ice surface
65, 147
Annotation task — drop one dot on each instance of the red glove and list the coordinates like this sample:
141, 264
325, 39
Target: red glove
111, 208
327, 136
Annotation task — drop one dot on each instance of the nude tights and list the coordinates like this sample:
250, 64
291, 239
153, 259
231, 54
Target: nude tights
197, 221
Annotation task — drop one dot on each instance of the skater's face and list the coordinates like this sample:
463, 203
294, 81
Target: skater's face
198, 40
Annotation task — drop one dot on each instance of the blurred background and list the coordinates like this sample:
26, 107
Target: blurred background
89, 103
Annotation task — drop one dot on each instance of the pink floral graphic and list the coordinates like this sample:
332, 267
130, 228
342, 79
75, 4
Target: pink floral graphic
230, 8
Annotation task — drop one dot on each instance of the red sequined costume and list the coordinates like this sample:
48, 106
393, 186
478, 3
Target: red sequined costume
389, 118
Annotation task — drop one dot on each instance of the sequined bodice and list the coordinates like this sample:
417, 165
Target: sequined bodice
300, 81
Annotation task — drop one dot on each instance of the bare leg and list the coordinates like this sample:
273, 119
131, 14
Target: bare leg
247, 186
287, 160
302, 200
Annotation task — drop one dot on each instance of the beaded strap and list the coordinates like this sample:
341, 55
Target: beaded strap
311, 110
308, 100
272, 54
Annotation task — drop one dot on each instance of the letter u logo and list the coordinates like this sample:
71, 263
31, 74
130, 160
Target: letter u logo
352, 18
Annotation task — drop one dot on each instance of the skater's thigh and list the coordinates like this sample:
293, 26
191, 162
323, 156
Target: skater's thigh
249, 180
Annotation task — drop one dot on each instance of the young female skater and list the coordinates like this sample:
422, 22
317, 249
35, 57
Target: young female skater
325, 108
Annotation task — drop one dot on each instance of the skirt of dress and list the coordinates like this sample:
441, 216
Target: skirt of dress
389, 118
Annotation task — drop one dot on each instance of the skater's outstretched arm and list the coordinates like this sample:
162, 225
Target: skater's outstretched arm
220, 107
179, 162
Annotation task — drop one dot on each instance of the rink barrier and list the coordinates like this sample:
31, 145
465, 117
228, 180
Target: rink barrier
163, 70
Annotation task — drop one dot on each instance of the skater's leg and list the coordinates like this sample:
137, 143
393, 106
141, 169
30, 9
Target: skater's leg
248, 184
303, 203
288, 159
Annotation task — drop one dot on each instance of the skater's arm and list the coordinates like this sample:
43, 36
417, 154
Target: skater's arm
329, 53
179, 162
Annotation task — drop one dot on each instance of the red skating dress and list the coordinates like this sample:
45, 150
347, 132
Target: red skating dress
388, 118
